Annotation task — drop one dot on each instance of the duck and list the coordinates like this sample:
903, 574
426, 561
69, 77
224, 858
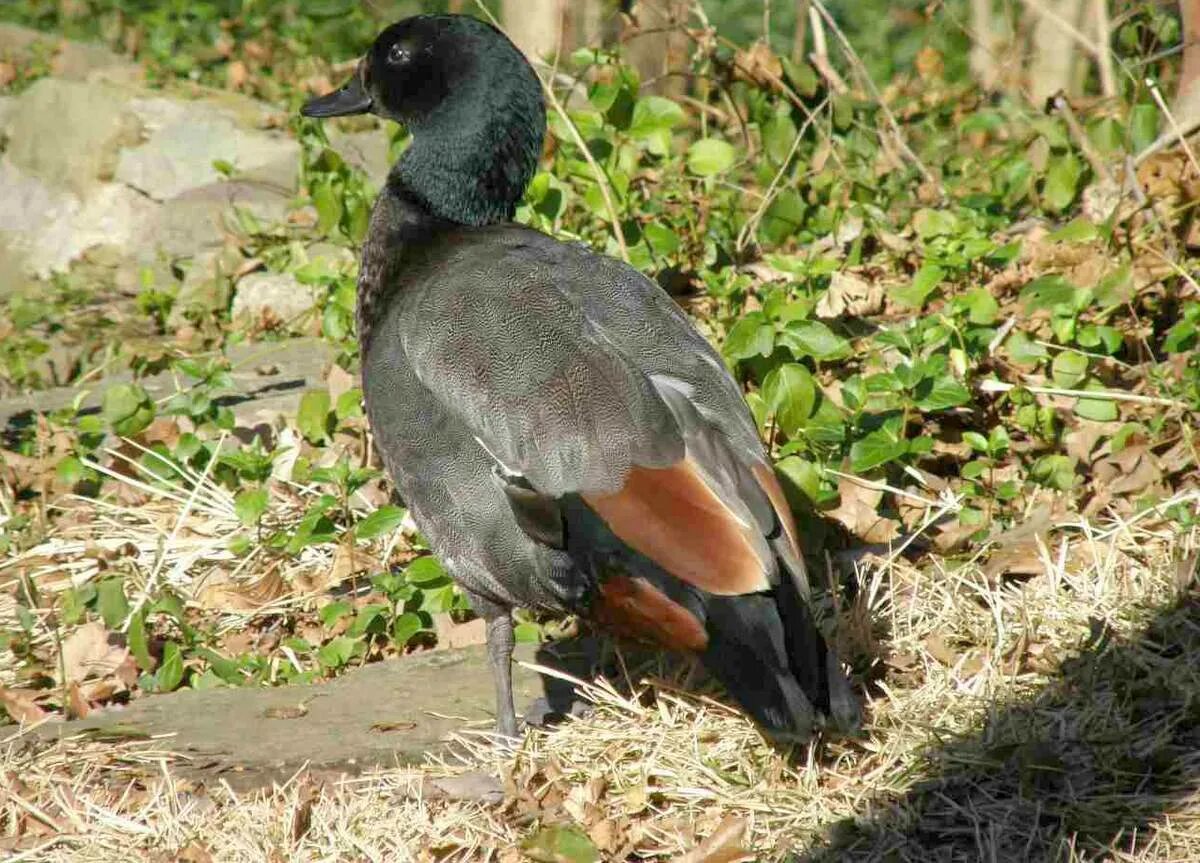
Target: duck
563, 436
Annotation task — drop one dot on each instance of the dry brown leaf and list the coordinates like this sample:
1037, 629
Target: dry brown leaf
723, 846
91, 651
231, 596
20, 705
477, 785
451, 635
339, 381
929, 63
858, 512
759, 65
236, 75
8, 74
79, 708
850, 295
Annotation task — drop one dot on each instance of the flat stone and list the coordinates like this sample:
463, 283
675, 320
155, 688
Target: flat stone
271, 300
385, 713
185, 140
268, 378
69, 134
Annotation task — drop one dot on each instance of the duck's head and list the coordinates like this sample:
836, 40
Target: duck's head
470, 100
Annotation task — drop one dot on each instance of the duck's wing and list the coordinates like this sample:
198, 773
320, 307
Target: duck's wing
580, 377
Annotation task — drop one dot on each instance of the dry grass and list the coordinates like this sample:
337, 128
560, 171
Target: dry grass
1052, 717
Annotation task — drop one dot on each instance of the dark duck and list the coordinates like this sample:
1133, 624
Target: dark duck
563, 436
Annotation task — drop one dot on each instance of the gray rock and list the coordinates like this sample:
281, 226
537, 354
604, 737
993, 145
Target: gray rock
74, 61
206, 287
6, 105
367, 151
69, 133
268, 300
44, 228
203, 217
184, 141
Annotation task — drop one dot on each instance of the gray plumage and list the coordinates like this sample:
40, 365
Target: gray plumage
513, 381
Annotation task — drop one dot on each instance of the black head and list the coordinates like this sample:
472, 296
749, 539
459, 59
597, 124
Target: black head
472, 103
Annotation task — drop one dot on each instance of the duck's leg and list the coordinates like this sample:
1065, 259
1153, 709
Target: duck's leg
500, 643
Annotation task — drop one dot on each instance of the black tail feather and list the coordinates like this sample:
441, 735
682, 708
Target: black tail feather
768, 652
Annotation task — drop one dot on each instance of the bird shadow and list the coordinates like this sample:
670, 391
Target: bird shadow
1093, 766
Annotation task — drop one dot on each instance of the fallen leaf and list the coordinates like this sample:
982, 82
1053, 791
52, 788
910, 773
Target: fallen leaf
385, 727
286, 712
90, 651
235, 596
724, 845
79, 708
302, 817
451, 635
20, 705
476, 786
849, 295
858, 512
560, 844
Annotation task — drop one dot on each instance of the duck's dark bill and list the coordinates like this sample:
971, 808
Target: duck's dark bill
351, 99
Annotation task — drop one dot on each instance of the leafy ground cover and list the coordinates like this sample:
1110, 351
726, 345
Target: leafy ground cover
969, 330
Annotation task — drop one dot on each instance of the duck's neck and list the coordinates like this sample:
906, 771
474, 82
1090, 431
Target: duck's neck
471, 159
399, 223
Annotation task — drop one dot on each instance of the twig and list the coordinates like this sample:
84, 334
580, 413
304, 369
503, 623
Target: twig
1108, 80
752, 223
1175, 129
876, 485
1063, 107
893, 125
991, 385
162, 556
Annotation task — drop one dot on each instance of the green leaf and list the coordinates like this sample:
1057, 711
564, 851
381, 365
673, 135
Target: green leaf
139, 644
337, 652
784, 217
710, 156
876, 449
385, 519
751, 336
934, 223
328, 204
924, 283
1062, 182
313, 417
778, 133
976, 441
426, 572
560, 844
982, 308
1050, 292
367, 618
406, 626
250, 505
1069, 369
1055, 471
1079, 230
653, 119
813, 339
335, 611
127, 408
802, 473
791, 394
170, 673
1099, 410
1023, 351
944, 392
111, 602
1143, 125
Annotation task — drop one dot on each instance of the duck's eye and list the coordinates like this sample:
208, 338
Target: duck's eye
399, 55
